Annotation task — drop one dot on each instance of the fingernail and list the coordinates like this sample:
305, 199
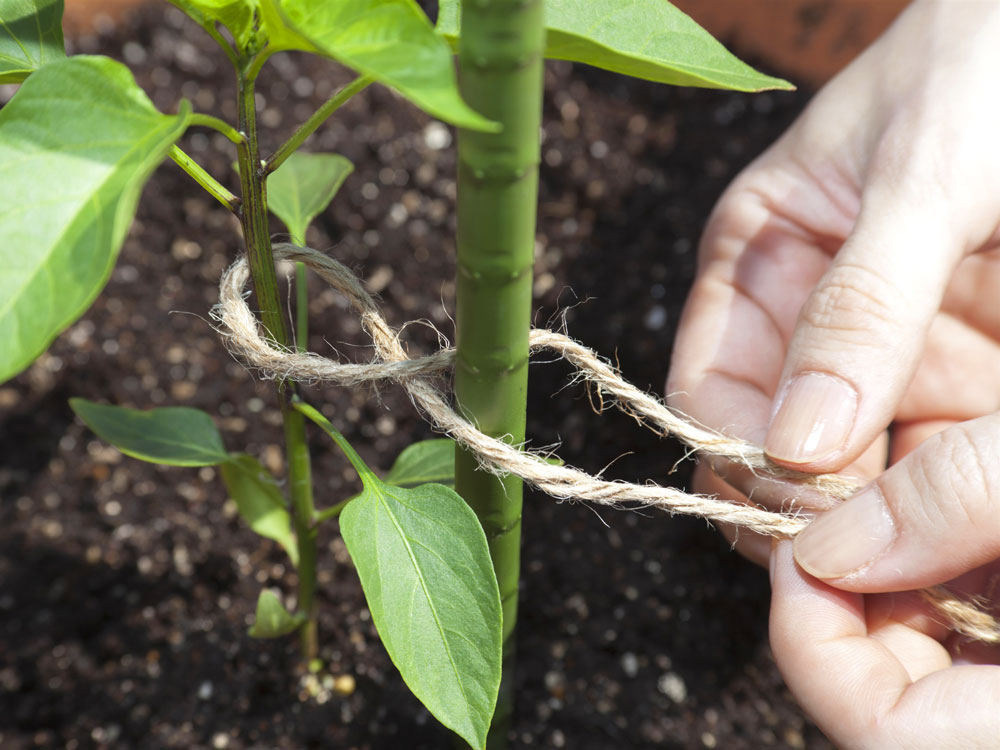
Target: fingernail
813, 420
847, 538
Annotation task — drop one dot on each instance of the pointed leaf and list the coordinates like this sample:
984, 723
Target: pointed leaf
30, 36
301, 189
77, 143
426, 572
272, 619
259, 501
174, 435
648, 39
235, 15
390, 40
426, 461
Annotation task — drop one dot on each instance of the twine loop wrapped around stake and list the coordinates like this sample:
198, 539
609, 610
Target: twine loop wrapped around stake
391, 363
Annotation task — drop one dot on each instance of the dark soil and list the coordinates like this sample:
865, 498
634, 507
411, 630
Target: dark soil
127, 588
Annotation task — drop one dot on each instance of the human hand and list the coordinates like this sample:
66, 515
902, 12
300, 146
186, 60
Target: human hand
847, 278
877, 669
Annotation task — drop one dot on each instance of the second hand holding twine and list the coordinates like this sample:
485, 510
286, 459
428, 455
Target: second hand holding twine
499, 457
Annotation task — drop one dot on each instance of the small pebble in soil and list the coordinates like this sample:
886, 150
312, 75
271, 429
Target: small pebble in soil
655, 318
630, 664
436, 136
205, 690
672, 685
344, 685
555, 682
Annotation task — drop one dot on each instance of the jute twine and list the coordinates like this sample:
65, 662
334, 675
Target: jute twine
390, 363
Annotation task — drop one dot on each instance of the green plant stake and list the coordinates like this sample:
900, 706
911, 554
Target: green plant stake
501, 44
500, 73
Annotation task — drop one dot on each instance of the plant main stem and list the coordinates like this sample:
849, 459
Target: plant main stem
261, 260
500, 60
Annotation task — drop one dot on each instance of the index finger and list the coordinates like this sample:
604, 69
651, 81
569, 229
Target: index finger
756, 270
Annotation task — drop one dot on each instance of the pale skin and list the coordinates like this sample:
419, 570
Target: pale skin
846, 315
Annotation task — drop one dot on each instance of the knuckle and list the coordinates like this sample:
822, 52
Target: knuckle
955, 476
855, 304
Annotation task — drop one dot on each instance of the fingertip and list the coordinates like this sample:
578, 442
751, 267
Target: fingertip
813, 420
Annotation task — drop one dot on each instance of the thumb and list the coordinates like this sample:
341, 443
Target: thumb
930, 518
861, 332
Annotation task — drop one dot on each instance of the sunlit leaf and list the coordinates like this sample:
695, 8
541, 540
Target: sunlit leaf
426, 461
648, 39
259, 501
272, 619
77, 142
174, 435
390, 40
236, 15
30, 36
426, 572
301, 189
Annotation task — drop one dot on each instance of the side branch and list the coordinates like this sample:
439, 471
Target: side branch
222, 126
309, 127
203, 178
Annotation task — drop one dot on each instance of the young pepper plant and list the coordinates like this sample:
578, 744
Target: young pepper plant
78, 141
500, 46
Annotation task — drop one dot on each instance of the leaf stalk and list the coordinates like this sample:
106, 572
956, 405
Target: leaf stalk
317, 118
215, 123
203, 178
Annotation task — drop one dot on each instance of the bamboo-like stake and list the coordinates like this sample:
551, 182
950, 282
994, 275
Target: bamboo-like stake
501, 67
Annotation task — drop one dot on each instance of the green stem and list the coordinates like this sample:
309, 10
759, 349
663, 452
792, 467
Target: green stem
203, 178
317, 118
301, 299
261, 260
301, 303
216, 124
332, 512
226, 47
500, 62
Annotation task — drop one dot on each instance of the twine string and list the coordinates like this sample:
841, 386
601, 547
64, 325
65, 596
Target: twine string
418, 376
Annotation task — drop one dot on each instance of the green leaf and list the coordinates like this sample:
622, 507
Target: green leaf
390, 40
174, 435
301, 188
272, 619
426, 461
259, 501
77, 142
648, 39
426, 572
235, 15
30, 36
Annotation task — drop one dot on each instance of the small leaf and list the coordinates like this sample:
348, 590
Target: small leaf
390, 40
235, 15
77, 142
259, 501
174, 435
426, 461
272, 619
30, 36
648, 39
426, 572
301, 189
